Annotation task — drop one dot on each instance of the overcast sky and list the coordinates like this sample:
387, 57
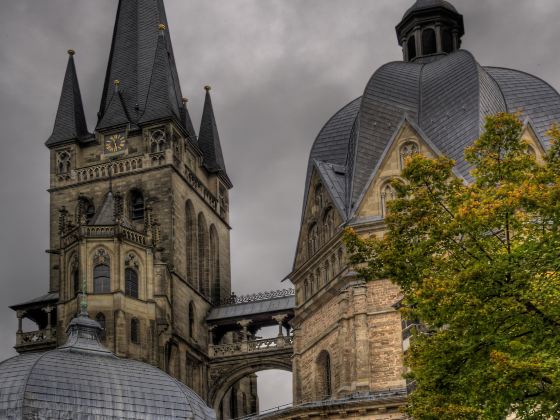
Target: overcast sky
279, 69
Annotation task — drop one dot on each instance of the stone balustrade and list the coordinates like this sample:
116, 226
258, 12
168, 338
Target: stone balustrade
250, 346
35, 340
103, 232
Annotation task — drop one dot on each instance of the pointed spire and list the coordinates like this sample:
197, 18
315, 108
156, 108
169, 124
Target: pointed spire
209, 140
70, 123
141, 58
186, 120
161, 100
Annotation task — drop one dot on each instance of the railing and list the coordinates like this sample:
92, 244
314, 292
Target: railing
103, 232
251, 346
256, 297
102, 170
36, 338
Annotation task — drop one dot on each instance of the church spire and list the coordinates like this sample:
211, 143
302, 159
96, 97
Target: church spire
70, 123
209, 140
141, 57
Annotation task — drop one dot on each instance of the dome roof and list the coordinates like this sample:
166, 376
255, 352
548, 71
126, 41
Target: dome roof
446, 100
428, 4
82, 379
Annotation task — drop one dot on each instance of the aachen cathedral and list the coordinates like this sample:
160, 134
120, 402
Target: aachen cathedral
139, 300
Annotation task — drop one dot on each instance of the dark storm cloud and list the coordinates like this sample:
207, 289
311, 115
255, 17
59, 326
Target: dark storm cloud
279, 69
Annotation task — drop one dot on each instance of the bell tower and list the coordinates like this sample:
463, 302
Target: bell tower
139, 208
429, 29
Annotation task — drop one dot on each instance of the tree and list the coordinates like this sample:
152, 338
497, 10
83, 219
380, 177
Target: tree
478, 263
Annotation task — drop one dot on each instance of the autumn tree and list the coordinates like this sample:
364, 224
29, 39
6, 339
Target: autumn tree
478, 262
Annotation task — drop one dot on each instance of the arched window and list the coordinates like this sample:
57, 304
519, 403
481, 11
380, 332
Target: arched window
136, 205
214, 265
328, 223
100, 318
191, 320
101, 279
157, 141
324, 377
446, 41
408, 149
319, 196
63, 162
429, 42
135, 331
190, 243
76, 280
387, 194
86, 209
131, 282
411, 47
203, 256
313, 240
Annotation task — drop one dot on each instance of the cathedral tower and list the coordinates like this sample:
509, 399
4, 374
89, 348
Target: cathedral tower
139, 209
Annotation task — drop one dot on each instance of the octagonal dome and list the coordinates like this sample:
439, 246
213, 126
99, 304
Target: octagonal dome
84, 380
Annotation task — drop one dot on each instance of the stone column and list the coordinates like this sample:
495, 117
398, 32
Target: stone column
20, 315
280, 341
439, 46
48, 310
211, 340
362, 342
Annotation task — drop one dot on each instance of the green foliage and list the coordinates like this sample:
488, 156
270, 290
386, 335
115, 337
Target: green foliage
479, 263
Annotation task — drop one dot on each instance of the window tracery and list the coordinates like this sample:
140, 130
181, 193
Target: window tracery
388, 194
408, 149
158, 138
131, 282
63, 162
136, 205
101, 272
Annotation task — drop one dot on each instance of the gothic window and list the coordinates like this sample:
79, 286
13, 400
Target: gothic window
190, 242
324, 376
328, 223
429, 42
306, 289
191, 320
203, 256
157, 141
214, 265
319, 196
408, 149
136, 205
100, 318
76, 280
387, 194
131, 282
135, 331
326, 273
101, 272
313, 240
446, 41
411, 47
63, 162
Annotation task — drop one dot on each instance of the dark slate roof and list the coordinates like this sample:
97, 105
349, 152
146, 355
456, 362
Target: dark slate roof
531, 96
209, 139
428, 4
142, 65
70, 123
105, 216
49, 297
82, 379
252, 308
446, 100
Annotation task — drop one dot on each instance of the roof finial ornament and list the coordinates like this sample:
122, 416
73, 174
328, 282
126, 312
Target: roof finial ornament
207, 88
117, 83
162, 29
71, 52
184, 100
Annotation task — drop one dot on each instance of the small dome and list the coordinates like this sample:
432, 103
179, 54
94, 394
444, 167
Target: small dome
84, 380
428, 4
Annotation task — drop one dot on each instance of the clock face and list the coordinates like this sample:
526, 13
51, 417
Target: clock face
115, 143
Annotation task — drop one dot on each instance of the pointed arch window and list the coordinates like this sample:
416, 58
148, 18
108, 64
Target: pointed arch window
191, 320
327, 272
214, 265
76, 280
63, 163
131, 282
100, 318
429, 42
328, 224
101, 272
313, 240
136, 205
203, 256
190, 228
86, 209
388, 194
324, 377
135, 331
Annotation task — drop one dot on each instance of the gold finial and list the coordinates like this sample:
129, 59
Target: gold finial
161, 27
117, 82
71, 52
207, 88
184, 100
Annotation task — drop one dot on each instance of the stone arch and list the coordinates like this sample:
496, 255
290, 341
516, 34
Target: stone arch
388, 194
429, 41
411, 47
191, 236
136, 204
203, 256
234, 375
324, 379
214, 265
